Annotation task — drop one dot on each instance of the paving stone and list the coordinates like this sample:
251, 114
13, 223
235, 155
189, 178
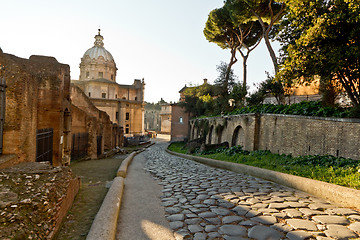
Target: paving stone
298, 235
279, 215
182, 234
278, 205
173, 210
233, 230
221, 211
332, 219
339, 232
267, 220
310, 212
302, 224
215, 221
297, 204
225, 204
282, 227
194, 228
261, 232
214, 235
293, 213
252, 213
248, 223
323, 238
200, 236
355, 227
268, 210
320, 206
176, 225
341, 211
259, 205
211, 228
355, 217
241, 210
232, 219
191, 215
193, 221
207, 215
209, 201
226, 237
176, 217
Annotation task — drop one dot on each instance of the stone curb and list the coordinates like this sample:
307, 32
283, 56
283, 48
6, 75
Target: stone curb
343, 196
121, 172
105, 222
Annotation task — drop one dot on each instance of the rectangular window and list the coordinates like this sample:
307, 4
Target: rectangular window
117, 115
89, 94
127, 130
87, 74
181, 120
127, 116
101, 74
112, 76
103, 95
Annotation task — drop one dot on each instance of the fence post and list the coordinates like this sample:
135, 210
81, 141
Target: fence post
2, 109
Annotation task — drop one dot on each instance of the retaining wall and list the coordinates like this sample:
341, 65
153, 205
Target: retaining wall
283, 134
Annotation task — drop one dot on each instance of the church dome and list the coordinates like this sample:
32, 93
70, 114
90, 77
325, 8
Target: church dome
95, 52
98, 50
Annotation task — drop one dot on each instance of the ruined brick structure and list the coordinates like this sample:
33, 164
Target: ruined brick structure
86, 118
37, 102
283, 134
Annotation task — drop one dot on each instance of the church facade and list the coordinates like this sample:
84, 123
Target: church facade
123, 103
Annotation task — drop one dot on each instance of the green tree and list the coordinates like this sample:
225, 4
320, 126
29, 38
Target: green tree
220, 30
266, 12
322, 38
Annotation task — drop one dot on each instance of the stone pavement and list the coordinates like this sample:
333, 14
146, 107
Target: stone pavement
202, 202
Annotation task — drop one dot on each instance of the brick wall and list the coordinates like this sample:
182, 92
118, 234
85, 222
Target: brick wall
179, 123
37, 96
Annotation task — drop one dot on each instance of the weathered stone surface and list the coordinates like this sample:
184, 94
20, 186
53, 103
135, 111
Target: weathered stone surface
176, 225
302, 224
231, 219
173, 210
355, 227
200, 236
267, 220
311, 212
298, 235
341, 211
331, 219
211, 228
193, 221
207, 215
233, 230
221, 211
339, 232
278, 205
282, 227
260, 232
355, 217
293, 213
195, 228
320, 206
176, 217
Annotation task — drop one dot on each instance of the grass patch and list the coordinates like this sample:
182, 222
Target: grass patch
336, 170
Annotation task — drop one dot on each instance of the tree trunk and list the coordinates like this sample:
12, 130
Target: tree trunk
245, 58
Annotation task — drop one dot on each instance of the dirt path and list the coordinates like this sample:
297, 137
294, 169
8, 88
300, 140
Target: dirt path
94, 174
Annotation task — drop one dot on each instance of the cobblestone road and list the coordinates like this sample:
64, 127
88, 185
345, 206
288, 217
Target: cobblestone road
202, 202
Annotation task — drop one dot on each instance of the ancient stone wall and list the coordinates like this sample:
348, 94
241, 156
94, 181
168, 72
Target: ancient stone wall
37, 97
283, 134
87, 118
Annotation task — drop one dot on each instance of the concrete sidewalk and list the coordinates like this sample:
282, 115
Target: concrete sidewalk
141, 214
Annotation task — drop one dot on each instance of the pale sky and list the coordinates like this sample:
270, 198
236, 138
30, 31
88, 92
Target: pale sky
161, 41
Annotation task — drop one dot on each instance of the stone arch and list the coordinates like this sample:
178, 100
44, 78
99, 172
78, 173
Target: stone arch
238, 136
219, 131
210, 134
